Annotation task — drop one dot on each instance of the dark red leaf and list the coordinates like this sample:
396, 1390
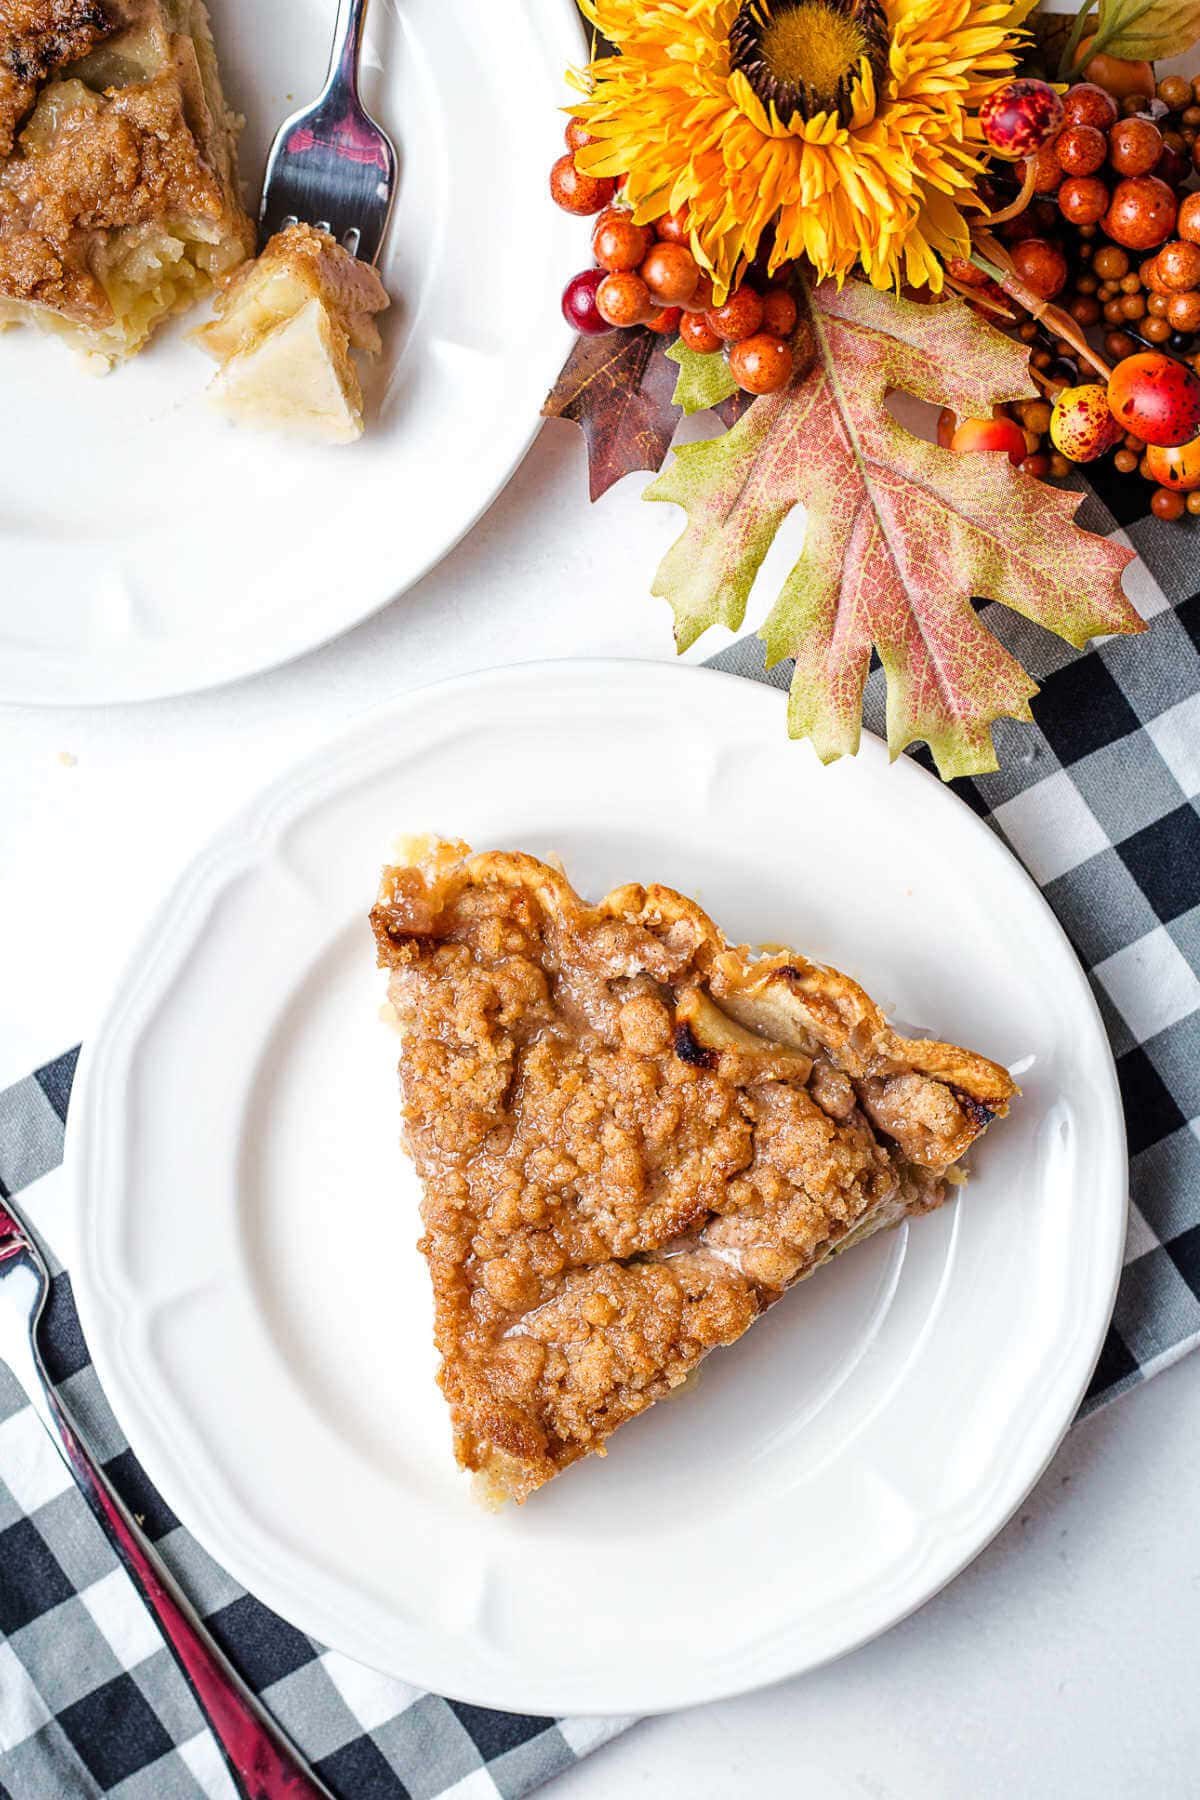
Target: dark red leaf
731, 410
617, 388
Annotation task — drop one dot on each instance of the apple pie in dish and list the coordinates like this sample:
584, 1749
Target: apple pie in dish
119, 200
633, 1137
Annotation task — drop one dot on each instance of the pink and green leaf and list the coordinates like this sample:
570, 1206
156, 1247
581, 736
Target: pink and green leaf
900, 535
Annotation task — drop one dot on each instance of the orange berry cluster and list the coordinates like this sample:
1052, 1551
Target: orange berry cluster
646, 275
1116, 169
1113, 238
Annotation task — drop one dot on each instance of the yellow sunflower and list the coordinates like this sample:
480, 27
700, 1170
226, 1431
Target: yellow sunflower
851, 125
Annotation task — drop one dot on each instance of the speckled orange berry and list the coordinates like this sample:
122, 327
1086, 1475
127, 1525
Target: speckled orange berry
1081, 425
1175, 465
990, 434
1156, 398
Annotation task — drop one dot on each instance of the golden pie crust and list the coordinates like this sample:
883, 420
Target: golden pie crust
632, 1138
119, 201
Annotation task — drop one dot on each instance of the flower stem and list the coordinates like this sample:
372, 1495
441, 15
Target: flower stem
1023, 198
1066, 67
1062, 325
991, 269
1117, 23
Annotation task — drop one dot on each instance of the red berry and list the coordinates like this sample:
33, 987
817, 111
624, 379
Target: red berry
1046, 174
608, 215
1167, 505
1155, 398
673, 226
1087, 104
960, 269
1141, 213
990, 434
617, 243
1183, 312
738, 317
1083, 200
624, 299
1042, 266
665, 320
1080, 150
698, 334
1134, 146
579, 303
576, 192
779, 312
670, 272
1177, 266
577, 135
1172, 167
1081, 426
1019, 117
702, 296
762, 364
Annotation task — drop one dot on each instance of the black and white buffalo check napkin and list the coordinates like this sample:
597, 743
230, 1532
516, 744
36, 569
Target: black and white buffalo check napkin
1101, 801
92, 1703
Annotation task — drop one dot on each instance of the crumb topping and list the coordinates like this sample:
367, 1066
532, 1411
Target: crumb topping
122, 159
617, 1176
38, 37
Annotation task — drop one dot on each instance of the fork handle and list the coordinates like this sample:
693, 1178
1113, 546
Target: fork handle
347, 46
264, 1764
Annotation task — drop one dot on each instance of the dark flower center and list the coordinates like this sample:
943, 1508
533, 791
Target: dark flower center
801, 56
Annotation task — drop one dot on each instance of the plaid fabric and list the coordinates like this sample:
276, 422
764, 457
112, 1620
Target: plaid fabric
1100, 801
92, 1703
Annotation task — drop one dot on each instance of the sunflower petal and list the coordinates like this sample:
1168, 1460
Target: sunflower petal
883, 192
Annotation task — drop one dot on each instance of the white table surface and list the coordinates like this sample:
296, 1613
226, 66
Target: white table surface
1064, 1662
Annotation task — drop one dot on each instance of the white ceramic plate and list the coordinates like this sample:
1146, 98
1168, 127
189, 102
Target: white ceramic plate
261, 1320
150, 546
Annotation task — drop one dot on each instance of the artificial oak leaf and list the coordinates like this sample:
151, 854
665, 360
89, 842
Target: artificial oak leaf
1146, 30
705, 382
617, 389
704, 379
730, 410
900, 534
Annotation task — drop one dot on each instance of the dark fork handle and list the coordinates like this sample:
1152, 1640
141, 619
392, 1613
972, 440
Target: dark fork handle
264, 1764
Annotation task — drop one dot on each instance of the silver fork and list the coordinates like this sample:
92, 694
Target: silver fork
263, 1761
331, 165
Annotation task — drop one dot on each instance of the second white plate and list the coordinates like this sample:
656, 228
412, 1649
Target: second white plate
261, 1320
149, 545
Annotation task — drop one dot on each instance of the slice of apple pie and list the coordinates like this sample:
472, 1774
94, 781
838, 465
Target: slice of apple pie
633, 1138
286, 331
119, 201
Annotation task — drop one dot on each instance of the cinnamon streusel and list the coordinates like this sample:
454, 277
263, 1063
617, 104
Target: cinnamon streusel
632, 1139
119, 201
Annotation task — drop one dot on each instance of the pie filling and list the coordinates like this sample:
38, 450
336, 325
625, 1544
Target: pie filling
632, 1139
286, 331
119, 202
